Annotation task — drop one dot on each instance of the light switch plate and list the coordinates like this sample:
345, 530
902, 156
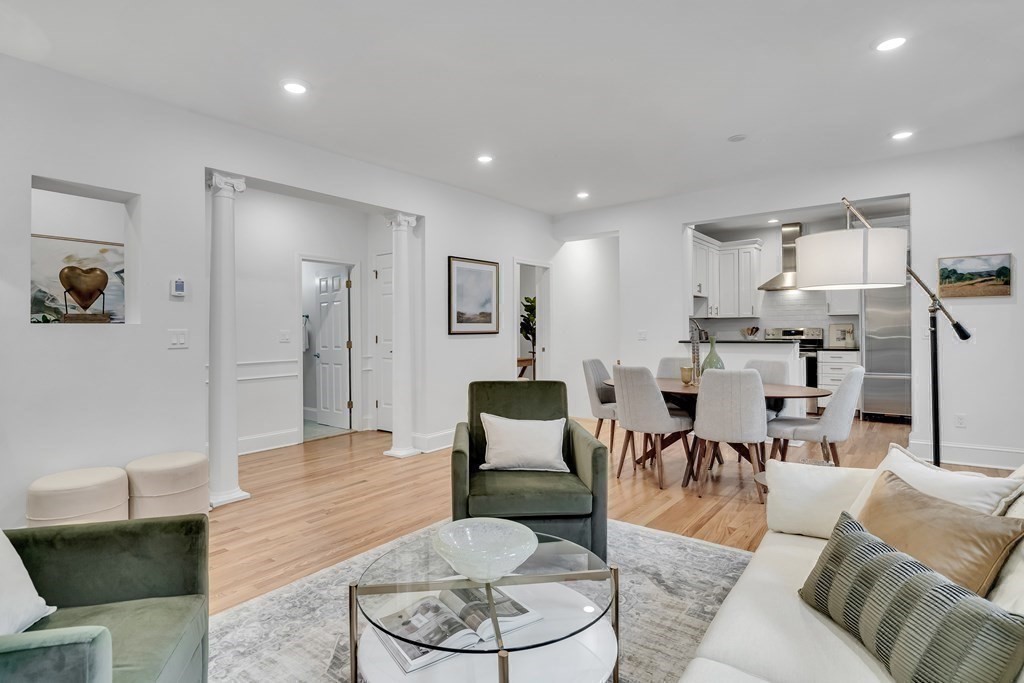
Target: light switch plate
177, 339
284, 336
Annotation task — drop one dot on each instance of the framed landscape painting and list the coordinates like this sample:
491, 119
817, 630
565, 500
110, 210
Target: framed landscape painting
988, 275
472, 296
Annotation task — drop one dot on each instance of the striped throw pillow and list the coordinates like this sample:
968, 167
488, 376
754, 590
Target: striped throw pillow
919, 624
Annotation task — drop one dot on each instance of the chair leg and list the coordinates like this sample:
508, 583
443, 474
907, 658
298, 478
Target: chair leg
776, 443
826, 456
700, 449
647, 448
688, 474
755, 461
612, 446
835, 453
622, 458
704, 472
658, 461
632, 448
784, 450
600, 423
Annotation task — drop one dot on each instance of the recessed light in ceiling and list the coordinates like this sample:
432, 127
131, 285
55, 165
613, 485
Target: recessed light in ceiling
739, 137
890, 44
294, 86
582, 195
902, 135
485, 159
773, 220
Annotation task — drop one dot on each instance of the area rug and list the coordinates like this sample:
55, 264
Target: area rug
671, 589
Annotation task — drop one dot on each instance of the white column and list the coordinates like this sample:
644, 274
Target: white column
223, 429
401, 359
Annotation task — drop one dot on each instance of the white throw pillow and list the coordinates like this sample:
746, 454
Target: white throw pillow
991, 495
20, 604
808, 499
523, 444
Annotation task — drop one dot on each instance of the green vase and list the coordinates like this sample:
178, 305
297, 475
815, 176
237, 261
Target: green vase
713, 360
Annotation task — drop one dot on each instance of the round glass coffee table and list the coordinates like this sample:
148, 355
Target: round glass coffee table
543, 622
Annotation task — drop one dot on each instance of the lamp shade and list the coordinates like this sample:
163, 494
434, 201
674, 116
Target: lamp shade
852, 259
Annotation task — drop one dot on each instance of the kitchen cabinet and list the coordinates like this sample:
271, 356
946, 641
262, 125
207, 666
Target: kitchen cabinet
748, 278
833, 366
728, 284
701, 256
842, 302
714, 291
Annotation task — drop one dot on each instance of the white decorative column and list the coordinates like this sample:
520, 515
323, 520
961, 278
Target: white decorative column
401, 360
223, 425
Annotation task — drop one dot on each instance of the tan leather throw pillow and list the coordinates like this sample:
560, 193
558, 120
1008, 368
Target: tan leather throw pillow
966, 546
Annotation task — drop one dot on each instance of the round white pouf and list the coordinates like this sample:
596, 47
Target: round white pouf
96, 494
169, 484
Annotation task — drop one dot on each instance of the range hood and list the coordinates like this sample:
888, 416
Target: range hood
787, 278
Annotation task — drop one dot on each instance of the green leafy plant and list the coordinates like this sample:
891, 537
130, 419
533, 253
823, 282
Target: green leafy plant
528, 323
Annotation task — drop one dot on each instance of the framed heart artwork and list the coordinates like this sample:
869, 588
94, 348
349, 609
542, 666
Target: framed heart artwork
90, 271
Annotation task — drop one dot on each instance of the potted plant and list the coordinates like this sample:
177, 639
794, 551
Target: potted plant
528, 327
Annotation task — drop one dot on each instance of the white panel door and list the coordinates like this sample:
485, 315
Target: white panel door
384, 340
332, 376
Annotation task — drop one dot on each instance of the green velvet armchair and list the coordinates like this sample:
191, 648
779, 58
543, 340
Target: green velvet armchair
572, 505
132, 603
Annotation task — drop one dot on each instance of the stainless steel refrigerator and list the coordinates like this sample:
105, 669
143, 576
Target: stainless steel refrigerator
886, 349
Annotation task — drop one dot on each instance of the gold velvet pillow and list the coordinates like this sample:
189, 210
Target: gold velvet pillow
966, 546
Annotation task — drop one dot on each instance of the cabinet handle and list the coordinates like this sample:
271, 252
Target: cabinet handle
828, 307
698, 288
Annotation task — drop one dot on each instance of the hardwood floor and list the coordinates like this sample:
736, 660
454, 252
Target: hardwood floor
316, 504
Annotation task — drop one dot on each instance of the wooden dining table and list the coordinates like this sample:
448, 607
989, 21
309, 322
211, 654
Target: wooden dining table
675, 387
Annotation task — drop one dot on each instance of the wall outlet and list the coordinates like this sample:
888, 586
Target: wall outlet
284, 336
177, 339
641, 335
960, 421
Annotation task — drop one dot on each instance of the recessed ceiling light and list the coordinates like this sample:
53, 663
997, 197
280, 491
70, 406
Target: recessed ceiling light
902, 135
773, 220
485, 159
582, 195
294, 86
739, 137
890, 44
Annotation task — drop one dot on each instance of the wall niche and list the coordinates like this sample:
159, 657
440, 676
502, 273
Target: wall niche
83, 243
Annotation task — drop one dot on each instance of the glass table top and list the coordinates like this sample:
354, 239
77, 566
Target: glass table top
414, 595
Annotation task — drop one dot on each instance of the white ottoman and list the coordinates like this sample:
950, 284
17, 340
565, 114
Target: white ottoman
96, 494
169, 484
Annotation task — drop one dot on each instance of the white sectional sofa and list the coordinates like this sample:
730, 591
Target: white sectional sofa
763, 631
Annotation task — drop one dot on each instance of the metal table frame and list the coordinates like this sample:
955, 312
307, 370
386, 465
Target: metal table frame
355, 590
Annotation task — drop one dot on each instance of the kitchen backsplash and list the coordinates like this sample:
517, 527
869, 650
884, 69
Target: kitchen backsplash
788, 308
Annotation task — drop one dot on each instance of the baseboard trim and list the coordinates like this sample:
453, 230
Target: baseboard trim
218, 499
265, 442
309, 414
402, 452
428, 443
968, 454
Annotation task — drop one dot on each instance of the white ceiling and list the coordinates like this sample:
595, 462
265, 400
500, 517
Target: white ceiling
627, 100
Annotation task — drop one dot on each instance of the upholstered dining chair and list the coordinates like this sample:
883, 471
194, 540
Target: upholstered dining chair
730, 409
602, 396
831, 428
772, 372
572, 505
642, 410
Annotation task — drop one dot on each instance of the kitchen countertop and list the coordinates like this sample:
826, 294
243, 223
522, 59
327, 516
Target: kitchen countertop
750, 341
840, 348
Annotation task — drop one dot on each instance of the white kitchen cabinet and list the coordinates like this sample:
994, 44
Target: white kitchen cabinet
714, 293
701, 256
749, 277
728, 284
842, 302
833, 366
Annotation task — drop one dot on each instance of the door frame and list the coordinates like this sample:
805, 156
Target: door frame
544, 305
355, 317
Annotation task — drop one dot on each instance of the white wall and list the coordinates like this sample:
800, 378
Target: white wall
66, 215
585, 312
964, 201
272, 232
149, 399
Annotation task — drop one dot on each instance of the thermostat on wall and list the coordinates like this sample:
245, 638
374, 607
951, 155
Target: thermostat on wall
177, 287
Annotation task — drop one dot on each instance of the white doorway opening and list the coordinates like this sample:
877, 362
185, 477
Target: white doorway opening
533, 319
327, 344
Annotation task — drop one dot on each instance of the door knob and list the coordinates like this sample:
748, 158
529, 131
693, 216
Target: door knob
316, 355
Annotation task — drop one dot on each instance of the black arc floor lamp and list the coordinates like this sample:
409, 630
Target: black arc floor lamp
872, 258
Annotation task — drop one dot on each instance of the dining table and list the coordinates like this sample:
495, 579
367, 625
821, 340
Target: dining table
671, 386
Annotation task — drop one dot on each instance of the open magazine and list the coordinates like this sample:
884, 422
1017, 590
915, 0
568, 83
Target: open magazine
454, 619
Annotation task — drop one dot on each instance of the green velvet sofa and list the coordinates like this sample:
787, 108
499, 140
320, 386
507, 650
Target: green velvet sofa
572, 505
132, 603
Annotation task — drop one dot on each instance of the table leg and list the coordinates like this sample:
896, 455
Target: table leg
353, 633
615, 619
502, 666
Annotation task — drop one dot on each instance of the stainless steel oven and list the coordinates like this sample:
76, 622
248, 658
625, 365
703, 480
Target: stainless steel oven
812, 340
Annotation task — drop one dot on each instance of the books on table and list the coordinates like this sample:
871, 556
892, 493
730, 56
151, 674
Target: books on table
453, 619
